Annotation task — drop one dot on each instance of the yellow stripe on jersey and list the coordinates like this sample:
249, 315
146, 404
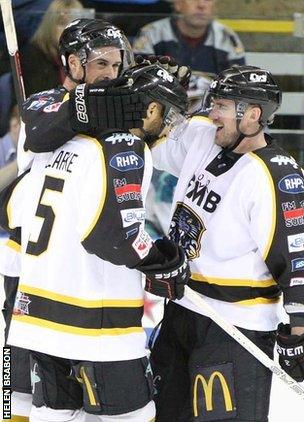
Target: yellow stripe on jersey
84, 303
274, 211
13, 245
92, 332
66, 97
103, 187
233, 281
257, 301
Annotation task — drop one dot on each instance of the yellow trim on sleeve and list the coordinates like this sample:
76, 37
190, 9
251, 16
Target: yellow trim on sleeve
233, 282
66, 97
92, 332
103, 303
274, 208
13, 245
103, 187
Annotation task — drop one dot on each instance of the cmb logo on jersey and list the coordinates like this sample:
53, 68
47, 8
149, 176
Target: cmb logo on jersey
293, 183
199, 193
126, 161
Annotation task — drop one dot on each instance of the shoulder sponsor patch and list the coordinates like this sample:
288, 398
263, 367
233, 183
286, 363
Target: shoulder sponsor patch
132, 216
295, 242
117, 138
283, 160
126, 191
126, 161
292, 183
52, 108
297, 264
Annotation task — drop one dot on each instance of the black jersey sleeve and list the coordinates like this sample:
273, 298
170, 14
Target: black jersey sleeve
46, 118
118, 234
285, 256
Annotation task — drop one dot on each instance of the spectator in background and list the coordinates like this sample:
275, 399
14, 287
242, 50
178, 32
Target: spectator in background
27, 16
193, 37
39, 59
8, 144
8, 151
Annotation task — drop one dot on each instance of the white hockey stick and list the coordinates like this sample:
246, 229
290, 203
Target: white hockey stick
12, 46
244, 341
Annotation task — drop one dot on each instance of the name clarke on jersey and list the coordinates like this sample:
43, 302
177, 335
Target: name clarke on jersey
63, 161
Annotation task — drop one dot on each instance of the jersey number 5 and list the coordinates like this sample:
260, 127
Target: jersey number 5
47, 213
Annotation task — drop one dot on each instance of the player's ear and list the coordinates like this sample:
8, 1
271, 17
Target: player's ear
75, 66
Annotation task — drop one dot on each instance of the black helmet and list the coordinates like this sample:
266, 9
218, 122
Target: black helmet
160, 86
81, 36
249, 84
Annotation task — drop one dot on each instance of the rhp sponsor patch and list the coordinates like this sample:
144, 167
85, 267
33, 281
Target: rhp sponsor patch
293, 183
132, 216
296, 242
142, 244
126, 161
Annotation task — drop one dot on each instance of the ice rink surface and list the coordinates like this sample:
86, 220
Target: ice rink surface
285, 405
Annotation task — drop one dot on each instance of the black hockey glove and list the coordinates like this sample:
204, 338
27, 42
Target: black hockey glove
291, 352
167, 280
182, 73
106, 105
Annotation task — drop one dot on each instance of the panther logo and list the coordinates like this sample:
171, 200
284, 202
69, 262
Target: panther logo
186, 230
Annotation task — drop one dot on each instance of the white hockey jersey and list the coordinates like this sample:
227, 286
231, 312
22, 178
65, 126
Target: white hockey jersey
240, 220
81, 212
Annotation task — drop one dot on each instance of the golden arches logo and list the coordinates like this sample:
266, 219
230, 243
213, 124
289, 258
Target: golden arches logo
208, 388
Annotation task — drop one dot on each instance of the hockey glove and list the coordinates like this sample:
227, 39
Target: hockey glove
291, 352
182, 73
106, 105
167, 280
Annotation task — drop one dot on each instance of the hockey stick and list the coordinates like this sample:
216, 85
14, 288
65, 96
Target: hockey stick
12, 46
244, 341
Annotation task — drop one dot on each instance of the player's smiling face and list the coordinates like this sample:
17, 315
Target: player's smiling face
224, 117
103, 64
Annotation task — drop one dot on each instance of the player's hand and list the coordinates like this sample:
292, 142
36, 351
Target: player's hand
106, 105
291, 352
167, 280
181, 72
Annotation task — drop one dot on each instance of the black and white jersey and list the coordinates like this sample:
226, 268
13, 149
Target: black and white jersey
81, 210
239, 217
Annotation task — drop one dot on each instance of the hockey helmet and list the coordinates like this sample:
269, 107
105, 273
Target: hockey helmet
84, 36
247, 84
162, 87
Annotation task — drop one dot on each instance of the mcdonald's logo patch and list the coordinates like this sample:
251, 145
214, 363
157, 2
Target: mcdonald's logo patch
213, 393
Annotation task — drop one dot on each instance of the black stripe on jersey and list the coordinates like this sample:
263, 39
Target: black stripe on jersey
279, 260
234, 293
5, 197
77, 316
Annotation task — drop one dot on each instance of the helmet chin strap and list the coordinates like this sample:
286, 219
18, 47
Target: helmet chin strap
240, 111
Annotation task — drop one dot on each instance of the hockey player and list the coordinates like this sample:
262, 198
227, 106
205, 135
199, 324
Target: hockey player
80, 301
90, 50
238, 214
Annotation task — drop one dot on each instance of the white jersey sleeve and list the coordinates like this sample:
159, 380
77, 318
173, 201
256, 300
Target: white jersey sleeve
169, 152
